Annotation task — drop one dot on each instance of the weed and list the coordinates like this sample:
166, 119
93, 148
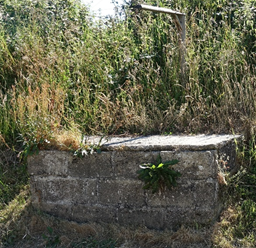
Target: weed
92, 243
87, 148
51, 239
158, 177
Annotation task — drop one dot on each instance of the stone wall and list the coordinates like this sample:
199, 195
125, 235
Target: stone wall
104, 187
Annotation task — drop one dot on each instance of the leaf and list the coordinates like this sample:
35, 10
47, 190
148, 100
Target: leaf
160, 165
144, 166
146, 186
159, 159
170, 179
50, 230
172, 162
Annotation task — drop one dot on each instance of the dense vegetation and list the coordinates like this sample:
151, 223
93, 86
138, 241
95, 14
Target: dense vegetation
64, 75
62, 71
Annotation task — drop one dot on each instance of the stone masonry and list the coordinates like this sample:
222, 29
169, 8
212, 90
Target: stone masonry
104, 187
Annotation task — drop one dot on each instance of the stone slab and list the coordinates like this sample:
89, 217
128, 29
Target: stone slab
162, 142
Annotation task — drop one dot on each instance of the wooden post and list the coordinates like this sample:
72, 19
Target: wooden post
180, 22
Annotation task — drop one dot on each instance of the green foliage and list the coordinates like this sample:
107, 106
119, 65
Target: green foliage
92, 243
238, 222
51, 239
123, 75
13, 177
158, 177
88, 149
247, 217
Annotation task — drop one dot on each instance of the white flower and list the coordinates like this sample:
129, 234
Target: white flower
84, 153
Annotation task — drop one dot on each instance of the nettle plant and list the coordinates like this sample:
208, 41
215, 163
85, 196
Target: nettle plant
159, 177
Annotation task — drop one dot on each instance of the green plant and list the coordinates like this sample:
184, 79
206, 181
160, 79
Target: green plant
92, 243
51, 239
87, 148
13, 177
159, 177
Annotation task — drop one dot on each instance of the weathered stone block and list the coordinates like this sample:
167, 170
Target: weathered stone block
87, 194
121, 192
126, 163
64, 191
142, 217
57, 210
181, 196
131, 193
105, 188
189, 216
206, 194
93, 213
57, 190
227, 157
166, 142
193, 164
54, 163
91, 166
108, 192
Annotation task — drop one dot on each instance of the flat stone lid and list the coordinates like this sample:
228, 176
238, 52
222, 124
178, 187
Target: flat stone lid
162, 142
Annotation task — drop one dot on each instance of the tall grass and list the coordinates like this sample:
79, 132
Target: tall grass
60, 71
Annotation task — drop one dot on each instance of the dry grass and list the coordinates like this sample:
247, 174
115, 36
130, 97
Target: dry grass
31, 226
227, 232
23, 226
11, 220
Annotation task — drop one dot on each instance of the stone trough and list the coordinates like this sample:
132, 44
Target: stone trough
104, 187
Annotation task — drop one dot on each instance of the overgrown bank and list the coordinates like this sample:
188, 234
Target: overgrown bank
61, 71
